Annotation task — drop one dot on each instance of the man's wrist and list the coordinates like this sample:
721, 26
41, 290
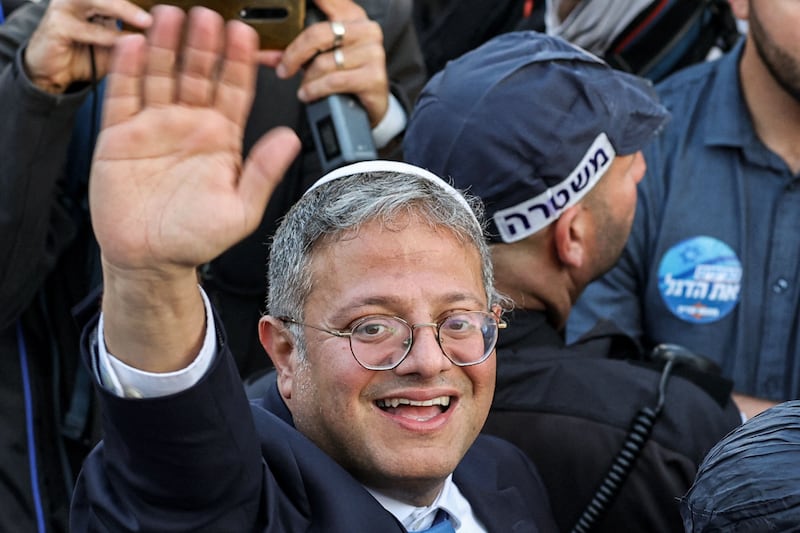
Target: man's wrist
126, 381
154, 320
391, 125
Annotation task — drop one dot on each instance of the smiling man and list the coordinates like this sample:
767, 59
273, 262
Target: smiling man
382, 326
413, 413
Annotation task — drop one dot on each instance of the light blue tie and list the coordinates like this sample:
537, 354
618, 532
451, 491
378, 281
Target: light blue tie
441, 524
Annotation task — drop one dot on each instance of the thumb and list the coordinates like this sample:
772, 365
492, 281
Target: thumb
264, 168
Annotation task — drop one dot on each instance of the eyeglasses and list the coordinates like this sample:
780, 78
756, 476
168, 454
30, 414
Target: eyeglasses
381, 342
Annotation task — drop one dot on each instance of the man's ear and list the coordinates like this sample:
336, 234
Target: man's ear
279, 343
570, 236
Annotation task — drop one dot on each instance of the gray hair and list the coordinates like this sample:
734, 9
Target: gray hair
336, 210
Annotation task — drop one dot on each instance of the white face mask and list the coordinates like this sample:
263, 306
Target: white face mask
593, 24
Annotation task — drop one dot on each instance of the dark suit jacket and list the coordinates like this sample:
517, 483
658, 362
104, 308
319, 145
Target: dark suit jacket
195, 461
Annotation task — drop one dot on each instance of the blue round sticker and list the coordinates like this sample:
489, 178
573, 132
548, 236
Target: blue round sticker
700, 279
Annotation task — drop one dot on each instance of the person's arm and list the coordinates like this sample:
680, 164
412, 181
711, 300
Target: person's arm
128, 382
35, 226
32, 132
168, 191
18, 28
35, 222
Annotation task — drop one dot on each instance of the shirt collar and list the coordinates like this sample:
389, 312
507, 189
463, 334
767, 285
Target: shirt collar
415, 518
729, 122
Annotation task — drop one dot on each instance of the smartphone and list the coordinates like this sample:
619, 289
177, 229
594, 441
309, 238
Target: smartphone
277, 22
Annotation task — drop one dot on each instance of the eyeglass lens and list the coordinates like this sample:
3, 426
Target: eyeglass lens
381, 342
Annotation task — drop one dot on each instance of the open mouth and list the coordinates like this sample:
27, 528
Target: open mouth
421, 410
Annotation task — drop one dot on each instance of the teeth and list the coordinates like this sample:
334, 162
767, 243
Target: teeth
444, 401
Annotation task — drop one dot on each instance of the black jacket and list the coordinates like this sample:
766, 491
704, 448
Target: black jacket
570, 408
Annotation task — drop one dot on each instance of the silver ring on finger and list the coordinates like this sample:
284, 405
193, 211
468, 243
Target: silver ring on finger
338, 33
338, 58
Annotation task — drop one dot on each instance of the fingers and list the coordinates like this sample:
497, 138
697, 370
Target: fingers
187, 75
269, 58
164, 37
93, 21
114, 9
121, 10
237, 77
318, 38
361, 69
204, 44
123, 97
216, 65
72, 30
265, 166
56, 55
358, 67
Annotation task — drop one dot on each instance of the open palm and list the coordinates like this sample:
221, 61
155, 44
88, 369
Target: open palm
168, 188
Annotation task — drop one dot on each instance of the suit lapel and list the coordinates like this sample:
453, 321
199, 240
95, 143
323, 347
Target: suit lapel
499, 505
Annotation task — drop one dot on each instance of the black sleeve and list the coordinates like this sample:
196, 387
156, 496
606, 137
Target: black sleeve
35, 225
17, 28
189, 461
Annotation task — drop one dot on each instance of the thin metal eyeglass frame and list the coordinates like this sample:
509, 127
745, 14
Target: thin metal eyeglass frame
501, 324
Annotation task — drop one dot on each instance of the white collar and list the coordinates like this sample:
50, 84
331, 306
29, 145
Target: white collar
415, 518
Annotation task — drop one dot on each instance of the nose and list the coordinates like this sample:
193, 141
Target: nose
426, 357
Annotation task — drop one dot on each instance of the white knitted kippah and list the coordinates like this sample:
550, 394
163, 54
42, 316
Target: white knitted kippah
380, 165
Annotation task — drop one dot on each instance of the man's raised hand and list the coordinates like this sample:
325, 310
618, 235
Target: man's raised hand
168, 189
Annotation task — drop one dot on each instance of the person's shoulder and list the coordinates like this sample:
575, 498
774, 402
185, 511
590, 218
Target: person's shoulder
495, 468
489, 443
695, 95
673, 89
495, 458
606, 381
24, 20
491, 453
